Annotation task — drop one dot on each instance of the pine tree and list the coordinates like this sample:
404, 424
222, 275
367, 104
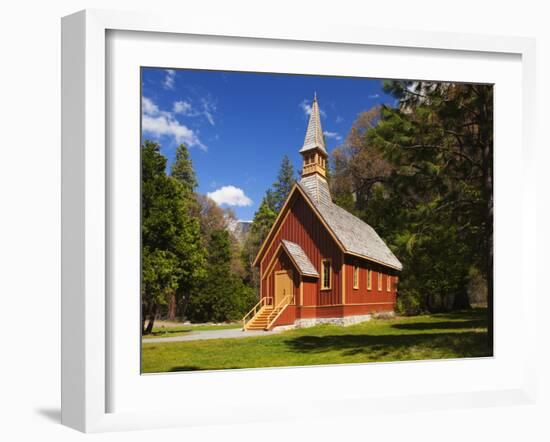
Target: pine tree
283, 185
218, 298
182, 169
263, 220
172, 254
421, 175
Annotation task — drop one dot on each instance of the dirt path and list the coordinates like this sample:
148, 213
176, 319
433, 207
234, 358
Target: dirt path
211, 334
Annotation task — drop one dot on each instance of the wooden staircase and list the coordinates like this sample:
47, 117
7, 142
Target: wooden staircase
264, 314
261, 320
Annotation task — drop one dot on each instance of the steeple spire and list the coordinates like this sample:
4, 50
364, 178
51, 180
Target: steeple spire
313, 149
314, 134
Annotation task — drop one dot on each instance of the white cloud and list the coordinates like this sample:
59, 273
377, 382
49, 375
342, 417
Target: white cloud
205, 109
169, 79
208, 109
374, 96
148, 107
306, 108
157, 123
230, 196
182, 107
162, 125
334, 135
339, 119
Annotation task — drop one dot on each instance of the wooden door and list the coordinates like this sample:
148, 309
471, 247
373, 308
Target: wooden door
283, 285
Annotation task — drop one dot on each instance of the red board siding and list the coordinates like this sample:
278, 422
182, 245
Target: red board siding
362, 295
309, 291
303, 227
282, 262
287, 317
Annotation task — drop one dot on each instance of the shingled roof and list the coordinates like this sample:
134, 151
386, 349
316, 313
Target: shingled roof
353, 235
314, 134
356, 236
297, 254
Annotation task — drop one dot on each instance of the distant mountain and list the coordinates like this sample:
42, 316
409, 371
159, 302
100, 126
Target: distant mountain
239, 229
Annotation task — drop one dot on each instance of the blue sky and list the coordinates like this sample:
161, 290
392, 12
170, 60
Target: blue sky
239, 125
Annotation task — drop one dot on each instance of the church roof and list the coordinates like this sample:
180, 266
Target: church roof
353, 235
314, 134
299, 257
356, 236
317, 188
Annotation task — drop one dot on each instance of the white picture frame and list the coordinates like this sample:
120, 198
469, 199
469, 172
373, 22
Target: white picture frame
86, 206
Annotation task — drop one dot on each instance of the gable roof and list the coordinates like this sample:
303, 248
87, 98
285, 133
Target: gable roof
352, 235
298, 256
355, 236
314, 135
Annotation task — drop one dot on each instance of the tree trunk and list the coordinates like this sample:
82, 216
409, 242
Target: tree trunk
143, 317
152, 316
461, 301
172, 307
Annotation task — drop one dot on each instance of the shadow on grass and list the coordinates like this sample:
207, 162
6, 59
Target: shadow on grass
473, 314
186, 368
195, 368
442, 325
458, 344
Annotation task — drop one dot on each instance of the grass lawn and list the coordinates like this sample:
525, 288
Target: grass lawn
450, 335
160, 332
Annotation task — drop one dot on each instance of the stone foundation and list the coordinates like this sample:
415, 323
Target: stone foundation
344, 322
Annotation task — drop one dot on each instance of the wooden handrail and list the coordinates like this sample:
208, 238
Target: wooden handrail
286, 301
261, 303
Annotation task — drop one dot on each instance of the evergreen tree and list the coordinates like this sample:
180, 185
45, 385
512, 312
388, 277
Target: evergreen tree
441, 140
172, 256
421, 174
263, 220
219, 298
283, 185
182, 169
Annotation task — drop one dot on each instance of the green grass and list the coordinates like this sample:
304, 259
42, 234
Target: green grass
164, 332
453, 335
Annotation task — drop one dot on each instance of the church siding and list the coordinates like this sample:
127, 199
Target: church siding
362, 294
303, 227
299, 223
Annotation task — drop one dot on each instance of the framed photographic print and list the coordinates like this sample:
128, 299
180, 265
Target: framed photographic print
254, 212
279, 241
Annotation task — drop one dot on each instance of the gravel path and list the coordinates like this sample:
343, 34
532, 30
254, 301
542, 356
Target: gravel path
211, 334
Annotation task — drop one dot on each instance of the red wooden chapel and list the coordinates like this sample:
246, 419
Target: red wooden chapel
319, 263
